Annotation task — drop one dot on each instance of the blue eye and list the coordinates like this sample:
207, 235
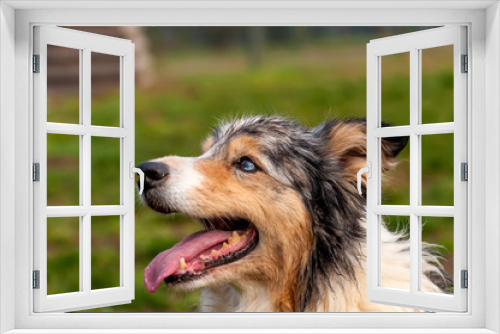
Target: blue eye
247, 165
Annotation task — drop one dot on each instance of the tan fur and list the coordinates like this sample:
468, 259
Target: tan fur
225, 192
266, 280
274, 288
348, 141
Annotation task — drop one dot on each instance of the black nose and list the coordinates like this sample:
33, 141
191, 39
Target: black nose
153, 171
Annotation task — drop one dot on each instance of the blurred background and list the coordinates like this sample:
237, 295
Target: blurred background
190, 78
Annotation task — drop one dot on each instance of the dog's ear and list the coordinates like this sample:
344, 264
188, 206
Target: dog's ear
347, 143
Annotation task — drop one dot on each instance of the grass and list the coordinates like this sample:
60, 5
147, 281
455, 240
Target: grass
194, 91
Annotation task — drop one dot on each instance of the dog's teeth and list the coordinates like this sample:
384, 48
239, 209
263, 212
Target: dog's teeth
234, 239
213, 252
203, 257
182, 263
224, 245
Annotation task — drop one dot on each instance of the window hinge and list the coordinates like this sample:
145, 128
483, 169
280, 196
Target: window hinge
36, 279
464, 171
465, 64
465, 279
36, 172
36, 63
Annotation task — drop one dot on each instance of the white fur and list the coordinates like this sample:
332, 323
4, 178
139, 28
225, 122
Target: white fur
183, 180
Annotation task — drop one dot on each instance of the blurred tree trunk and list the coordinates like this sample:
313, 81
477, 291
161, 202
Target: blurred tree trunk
144, 64
256, 44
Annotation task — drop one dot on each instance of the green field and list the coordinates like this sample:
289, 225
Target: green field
195, 90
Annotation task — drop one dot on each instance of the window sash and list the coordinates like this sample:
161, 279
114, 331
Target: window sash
85, 42
413, 43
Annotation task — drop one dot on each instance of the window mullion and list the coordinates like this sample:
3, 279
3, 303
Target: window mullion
372, 198
85, 167
414, 170
127, 182
418, 117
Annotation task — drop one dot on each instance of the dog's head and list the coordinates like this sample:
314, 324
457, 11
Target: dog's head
278, 203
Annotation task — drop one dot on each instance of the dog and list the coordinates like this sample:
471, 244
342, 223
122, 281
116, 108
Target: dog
284, 225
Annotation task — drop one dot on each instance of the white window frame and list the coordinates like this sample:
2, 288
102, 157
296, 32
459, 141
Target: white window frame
17, 20
85, 43
413, 44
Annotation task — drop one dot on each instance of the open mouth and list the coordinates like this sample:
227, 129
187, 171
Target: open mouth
223, 241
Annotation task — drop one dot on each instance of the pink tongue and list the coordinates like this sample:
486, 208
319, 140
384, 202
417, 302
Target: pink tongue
167, 262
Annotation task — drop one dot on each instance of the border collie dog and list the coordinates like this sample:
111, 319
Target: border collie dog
284, 225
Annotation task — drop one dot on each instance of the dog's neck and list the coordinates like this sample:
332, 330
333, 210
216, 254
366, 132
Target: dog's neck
345, 296
227, 298
258, 298
348, 297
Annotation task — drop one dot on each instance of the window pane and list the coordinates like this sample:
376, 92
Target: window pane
105, 234
63, 255
105, 89
63, 85
437, 170
395, 258
105, 171
395, 81
437, 84
396, 182
437, 234
63, 165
